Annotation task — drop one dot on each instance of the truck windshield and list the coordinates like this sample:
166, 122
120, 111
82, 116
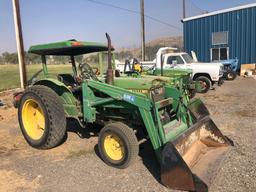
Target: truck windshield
187, 58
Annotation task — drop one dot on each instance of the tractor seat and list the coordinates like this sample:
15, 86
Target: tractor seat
67, 79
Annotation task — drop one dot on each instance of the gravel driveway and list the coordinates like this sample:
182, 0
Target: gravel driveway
75, 166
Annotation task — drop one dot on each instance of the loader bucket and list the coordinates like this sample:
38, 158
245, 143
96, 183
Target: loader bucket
190, 161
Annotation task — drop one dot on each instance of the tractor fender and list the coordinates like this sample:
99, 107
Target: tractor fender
70, 103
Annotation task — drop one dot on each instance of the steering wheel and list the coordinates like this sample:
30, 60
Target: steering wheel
87, 72
96, 70
33, 79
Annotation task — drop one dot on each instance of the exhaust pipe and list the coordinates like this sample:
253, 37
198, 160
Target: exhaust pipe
110, 76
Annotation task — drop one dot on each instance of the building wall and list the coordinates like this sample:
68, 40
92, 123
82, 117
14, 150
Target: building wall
241, 27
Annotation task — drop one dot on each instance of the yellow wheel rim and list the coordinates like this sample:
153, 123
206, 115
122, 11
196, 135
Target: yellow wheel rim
114, 147
33, 119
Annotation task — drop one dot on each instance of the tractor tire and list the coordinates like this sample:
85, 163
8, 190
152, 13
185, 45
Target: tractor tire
231, 75
205, 84
41, 117
118, 145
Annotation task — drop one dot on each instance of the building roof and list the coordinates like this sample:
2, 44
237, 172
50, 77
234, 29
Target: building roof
220, 11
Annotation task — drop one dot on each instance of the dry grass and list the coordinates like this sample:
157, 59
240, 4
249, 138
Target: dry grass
9, 74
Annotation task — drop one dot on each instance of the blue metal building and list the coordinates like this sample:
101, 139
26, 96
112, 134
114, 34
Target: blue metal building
224, 34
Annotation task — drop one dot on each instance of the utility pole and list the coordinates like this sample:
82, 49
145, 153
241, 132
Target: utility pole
142, 30
184, 9
20, 45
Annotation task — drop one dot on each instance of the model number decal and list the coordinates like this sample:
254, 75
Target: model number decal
129, 98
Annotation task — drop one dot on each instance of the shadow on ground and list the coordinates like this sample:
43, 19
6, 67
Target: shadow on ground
149, 159
91, 130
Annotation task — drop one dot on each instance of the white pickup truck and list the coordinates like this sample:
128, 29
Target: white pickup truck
207, 74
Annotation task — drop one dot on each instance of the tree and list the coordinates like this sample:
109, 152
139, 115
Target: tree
1, 60
79, 58
123, 55
92, 59
10, 58
59, 59
151, 51
31, 58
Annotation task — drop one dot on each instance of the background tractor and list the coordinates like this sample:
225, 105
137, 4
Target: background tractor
179, 78
131, 109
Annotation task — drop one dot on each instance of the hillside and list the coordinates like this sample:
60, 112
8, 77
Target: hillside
151, 48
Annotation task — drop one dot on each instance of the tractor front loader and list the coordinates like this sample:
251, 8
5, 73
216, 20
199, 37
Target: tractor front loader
187, 143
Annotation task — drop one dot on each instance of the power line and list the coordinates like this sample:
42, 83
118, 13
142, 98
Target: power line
195, 5
135, 12
162, 22
113, 6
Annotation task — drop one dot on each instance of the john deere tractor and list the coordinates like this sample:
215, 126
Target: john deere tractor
177, 77
131, 109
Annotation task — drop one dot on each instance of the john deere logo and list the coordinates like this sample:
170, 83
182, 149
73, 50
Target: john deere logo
144, 91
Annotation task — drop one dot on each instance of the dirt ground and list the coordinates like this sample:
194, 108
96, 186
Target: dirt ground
75, 166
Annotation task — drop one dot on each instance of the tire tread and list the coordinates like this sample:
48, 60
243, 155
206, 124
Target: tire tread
55, 113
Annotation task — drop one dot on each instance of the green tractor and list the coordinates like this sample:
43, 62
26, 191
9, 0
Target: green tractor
131, 109
177, 77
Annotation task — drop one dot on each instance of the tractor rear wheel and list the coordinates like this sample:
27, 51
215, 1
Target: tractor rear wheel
118, 145
41, 117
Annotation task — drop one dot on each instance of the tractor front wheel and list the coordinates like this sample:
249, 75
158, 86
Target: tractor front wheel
118, 145
41, 117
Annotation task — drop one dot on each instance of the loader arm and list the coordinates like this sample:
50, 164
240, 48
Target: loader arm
139, 100
182, 143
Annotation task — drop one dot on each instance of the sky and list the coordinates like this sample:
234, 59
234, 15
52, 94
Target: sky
57, 20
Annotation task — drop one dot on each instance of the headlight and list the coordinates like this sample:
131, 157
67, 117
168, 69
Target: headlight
221, 71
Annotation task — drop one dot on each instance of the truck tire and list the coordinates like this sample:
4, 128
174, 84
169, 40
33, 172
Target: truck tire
118, 145
41, 117
231, 75
205, 83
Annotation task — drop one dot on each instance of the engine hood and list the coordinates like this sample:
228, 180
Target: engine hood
140, 83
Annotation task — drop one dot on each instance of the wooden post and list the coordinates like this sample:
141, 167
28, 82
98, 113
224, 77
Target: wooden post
20, 46
184, 9
142, 30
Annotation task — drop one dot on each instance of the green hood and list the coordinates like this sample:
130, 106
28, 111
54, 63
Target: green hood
141, 83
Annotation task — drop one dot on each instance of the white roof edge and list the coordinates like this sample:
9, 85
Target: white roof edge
220, 11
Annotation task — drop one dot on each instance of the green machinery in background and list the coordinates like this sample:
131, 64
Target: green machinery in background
179, 78
131, 109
